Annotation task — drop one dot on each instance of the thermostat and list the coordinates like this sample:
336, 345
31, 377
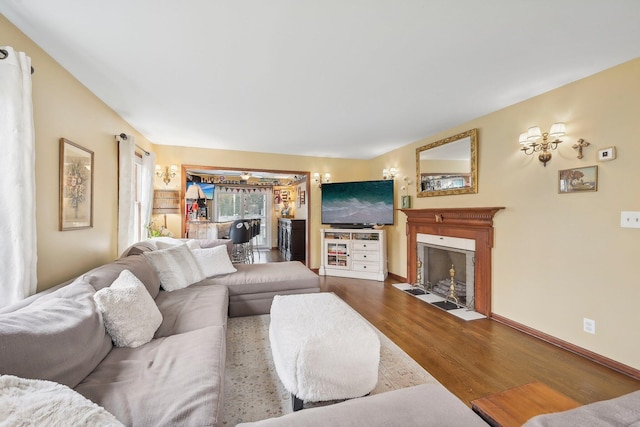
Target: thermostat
607, 154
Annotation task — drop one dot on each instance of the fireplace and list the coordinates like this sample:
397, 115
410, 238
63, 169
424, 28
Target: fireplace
447, 261
455, 225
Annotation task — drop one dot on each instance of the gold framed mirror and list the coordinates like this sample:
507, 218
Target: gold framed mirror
448, 166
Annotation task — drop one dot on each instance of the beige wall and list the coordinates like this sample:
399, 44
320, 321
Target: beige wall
558, 257
65, 108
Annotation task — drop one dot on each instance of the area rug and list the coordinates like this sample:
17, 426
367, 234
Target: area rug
253, 390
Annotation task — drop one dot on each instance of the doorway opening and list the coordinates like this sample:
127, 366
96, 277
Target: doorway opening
232, 194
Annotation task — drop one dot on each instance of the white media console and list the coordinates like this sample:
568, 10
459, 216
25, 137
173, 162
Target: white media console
355, 253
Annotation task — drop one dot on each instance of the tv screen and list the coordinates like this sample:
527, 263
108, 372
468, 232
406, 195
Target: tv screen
362, 203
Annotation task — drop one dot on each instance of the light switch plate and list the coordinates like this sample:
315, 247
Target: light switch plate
606, 154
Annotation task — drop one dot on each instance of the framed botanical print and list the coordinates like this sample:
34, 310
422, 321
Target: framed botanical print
76, 186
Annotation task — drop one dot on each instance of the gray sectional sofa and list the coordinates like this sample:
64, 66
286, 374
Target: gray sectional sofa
177, 378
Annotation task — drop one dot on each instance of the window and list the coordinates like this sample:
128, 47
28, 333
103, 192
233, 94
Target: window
232, 204
139, 226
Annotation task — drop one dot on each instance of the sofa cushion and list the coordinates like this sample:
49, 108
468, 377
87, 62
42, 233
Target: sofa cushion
176, 267
59, 337
620, 411
423, 405
130, 314
277, 276
170, 381
169, 242
195, 307
214, 261
26, 402
138, 248
106, 274
212, 243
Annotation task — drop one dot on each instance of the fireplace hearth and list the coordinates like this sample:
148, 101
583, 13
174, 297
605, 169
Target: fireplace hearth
469, 229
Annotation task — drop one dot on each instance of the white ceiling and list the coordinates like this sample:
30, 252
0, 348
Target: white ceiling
336, 78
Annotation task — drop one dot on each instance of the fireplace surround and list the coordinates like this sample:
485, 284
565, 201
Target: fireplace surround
442, 256
465, 223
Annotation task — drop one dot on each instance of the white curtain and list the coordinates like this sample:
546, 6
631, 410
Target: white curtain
148, 171
18, 184
126, 192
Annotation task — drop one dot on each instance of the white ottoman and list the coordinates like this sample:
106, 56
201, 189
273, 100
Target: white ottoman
322, 349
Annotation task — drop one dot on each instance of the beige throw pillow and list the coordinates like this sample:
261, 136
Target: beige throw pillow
214, 261
176, 267
130, 315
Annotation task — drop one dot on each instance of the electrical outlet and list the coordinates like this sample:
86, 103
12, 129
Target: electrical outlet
589, 326
630, 219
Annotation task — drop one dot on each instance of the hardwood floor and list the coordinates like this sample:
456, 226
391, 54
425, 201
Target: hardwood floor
267, 255
476, 358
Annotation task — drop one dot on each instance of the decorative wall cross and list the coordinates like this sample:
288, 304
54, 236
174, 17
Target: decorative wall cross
579, 146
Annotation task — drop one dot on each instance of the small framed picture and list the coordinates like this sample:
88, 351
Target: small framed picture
406, 202
303, 197
76, 186
578, 180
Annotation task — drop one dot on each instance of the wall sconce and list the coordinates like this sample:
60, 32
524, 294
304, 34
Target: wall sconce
325, 179
167, 174
530, 144
389, 173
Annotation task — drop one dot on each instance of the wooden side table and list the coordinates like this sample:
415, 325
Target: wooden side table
515, 406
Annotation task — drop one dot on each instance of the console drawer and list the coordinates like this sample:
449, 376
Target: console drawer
366, 246
366, 256
371, 267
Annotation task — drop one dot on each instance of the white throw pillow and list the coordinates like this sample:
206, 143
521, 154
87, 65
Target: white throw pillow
130, 315
25, 402
169, 242
214, 261
176, 267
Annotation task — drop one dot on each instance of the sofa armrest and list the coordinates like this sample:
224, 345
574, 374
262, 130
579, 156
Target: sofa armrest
423, 405
620, 411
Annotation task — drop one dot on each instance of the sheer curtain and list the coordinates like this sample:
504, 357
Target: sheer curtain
18, 184
127, 182
126, 192
148, 171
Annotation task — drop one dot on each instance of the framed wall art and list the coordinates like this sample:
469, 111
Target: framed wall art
76, 186
578, 180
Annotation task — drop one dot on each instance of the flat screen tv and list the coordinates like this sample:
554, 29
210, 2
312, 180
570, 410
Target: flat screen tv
358, 204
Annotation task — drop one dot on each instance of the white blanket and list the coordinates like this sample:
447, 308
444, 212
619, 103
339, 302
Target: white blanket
34, 403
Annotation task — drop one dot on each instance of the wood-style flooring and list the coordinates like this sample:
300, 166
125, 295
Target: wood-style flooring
476, 358
479, 357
